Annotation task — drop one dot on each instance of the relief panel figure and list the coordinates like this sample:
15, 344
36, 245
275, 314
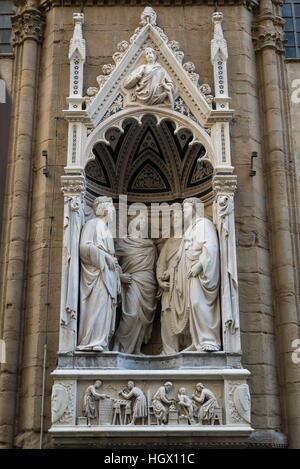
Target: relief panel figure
139, 409
160, 403
92, 395
185, 406
150, 82
137, 257
208, 403
99, 281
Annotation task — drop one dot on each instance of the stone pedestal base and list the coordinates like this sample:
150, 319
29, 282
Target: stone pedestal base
230, 426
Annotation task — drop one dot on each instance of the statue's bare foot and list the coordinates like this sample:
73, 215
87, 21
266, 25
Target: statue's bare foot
98, 348
84, 348
209, 348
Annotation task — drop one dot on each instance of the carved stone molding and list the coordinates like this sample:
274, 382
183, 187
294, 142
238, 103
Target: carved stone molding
224, 184
73, 185
29, 24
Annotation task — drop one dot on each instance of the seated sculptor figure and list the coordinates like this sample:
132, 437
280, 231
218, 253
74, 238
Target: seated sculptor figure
150, 82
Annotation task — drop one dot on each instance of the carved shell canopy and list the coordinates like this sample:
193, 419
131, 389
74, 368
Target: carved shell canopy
149, 162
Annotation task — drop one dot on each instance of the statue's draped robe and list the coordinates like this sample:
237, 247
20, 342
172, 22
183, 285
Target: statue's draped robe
151, 88
99, 286
137, 257
196, 299
167, 263
230, 305
72, 225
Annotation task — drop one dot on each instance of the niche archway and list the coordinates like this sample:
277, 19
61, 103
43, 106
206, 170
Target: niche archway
150, 162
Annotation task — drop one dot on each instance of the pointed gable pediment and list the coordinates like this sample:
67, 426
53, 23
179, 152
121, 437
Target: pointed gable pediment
189, 97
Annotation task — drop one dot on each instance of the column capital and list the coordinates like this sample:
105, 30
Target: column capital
28, 24
73, 185
267, 32
224, 184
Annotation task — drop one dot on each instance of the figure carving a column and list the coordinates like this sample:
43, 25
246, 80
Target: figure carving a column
140, 402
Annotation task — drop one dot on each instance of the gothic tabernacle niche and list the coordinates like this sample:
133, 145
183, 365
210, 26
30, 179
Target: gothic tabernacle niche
151, 132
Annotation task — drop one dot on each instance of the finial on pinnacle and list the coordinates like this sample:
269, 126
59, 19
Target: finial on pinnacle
78, 18
217, 17
148, 17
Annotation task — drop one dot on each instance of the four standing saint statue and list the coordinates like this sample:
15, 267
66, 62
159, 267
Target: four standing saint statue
187, 272
137, 257
165, 271
196, 279
99, 280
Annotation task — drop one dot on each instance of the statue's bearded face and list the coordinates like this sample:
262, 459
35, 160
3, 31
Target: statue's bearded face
150, 56
105, 209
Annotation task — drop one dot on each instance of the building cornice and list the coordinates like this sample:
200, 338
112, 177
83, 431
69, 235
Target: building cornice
46, 5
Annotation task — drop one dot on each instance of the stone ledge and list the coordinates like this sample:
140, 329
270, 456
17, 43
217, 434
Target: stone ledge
163, 437
122, 361
115, 374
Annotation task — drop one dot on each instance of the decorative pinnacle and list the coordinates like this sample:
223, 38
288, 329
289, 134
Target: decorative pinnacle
148, 17
78, 18
217, 17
